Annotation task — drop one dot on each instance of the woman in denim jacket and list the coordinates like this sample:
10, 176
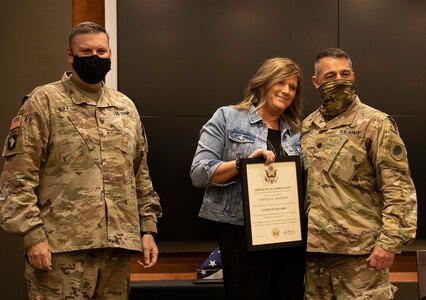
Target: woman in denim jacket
266, 124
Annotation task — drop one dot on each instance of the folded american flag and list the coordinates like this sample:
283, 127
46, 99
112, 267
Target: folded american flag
211, 268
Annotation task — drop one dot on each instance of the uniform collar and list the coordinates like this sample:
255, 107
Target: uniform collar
79, 98
344, 119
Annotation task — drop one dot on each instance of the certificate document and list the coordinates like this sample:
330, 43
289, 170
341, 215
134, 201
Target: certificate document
272, 199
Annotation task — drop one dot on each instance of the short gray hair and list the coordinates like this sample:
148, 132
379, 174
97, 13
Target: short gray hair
85, 28
334, 53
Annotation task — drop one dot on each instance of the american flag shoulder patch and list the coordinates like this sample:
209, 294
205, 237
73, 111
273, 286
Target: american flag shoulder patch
16, 122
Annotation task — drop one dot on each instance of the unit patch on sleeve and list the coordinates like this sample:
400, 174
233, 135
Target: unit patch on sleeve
397, 151
14, 141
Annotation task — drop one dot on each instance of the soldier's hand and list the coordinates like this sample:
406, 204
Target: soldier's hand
149, 251
40, 256
381, 259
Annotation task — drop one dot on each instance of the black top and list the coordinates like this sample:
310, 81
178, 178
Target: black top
274, 142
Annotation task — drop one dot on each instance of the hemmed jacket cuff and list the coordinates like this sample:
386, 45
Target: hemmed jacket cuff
34, 237
390, 244
148, 226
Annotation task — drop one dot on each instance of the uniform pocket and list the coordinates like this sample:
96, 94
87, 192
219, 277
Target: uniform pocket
127, 143
344, 159
42, 284
382, 292
75, 139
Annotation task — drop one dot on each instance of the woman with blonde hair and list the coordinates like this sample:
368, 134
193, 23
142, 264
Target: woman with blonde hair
266, 123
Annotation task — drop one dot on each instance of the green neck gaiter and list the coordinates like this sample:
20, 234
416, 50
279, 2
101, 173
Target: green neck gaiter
336, 96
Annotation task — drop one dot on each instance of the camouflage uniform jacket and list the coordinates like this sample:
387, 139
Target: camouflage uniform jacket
76, 173
359, 190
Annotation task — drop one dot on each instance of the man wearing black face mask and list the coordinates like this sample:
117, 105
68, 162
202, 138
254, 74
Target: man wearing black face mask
76, 180
361, 203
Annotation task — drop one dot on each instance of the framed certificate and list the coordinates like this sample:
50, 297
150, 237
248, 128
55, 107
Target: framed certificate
273, 202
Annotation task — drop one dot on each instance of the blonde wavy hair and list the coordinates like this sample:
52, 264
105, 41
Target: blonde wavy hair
270, 72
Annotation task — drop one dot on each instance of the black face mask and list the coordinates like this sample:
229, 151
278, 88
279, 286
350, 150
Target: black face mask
91, 69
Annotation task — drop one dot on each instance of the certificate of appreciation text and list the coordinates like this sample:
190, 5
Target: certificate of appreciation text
272, 202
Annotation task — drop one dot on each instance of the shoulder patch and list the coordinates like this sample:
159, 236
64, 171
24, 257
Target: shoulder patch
16, 122
12, 139
14, 143
397, 150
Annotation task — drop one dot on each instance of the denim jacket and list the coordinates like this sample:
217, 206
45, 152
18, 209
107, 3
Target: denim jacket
228, 135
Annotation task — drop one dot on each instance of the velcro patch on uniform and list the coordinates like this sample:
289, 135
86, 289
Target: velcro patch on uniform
14, 143
16, 122
397, 150
12, 139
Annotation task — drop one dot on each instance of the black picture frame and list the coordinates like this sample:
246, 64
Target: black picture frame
294, 163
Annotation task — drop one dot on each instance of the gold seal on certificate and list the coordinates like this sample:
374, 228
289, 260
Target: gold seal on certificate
272, 199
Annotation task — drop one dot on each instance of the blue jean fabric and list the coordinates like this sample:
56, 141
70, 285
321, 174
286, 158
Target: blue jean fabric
231, 134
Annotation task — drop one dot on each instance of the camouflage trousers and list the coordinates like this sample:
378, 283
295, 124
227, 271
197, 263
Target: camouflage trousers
86, 274
342, 277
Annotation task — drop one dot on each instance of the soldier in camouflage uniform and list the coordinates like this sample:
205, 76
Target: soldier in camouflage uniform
361, 201
76, 180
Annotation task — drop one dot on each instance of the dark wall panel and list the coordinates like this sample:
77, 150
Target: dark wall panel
172, 143
187, 57
386, 40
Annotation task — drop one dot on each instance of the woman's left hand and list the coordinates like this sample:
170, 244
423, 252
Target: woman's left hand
269, 156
